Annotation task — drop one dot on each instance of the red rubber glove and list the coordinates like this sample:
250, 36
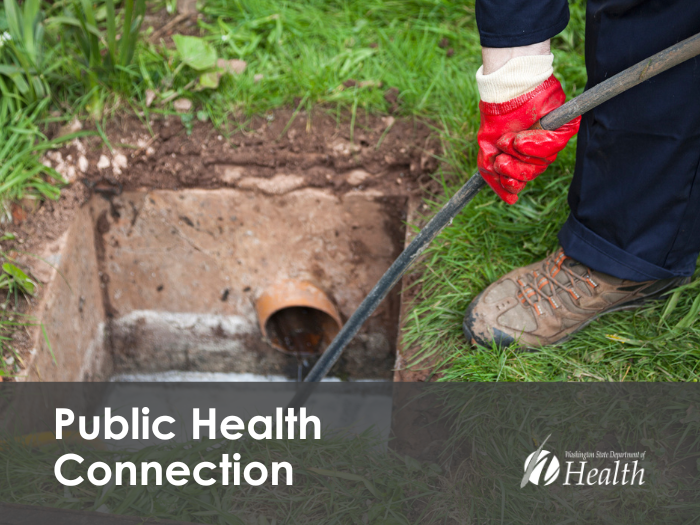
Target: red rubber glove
511, 155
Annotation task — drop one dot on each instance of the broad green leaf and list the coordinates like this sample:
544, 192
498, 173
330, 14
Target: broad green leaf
20, 82
9, 70
195, 52
13, 18
21, 278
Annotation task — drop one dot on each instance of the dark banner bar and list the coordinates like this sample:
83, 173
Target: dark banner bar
365, 453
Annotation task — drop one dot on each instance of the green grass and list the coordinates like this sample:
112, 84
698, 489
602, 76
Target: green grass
488, 239
308, 49
105, 41
22, 58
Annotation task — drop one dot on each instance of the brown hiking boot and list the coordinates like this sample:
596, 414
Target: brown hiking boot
547, 302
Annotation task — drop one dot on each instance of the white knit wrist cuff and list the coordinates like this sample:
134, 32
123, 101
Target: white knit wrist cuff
518, 76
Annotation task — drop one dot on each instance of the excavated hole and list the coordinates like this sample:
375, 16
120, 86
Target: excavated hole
181, 272
164, 277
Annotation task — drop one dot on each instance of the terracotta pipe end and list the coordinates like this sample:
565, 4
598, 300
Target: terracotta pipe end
289, 305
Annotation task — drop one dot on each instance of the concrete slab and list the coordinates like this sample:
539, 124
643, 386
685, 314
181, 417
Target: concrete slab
71, 310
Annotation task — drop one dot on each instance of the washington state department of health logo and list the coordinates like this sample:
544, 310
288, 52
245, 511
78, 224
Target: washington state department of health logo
541, 467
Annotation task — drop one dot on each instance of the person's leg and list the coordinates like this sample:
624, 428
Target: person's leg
634, 228
635, 196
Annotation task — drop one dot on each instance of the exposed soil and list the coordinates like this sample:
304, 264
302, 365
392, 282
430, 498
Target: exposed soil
314, 152
160, 26
272, 154
317, 149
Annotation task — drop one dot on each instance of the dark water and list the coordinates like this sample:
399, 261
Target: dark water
298, 330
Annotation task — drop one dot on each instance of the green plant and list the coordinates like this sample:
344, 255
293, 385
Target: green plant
22, 80
21, 170
15, 280
107, 47
10, 359
201, 56
11, 362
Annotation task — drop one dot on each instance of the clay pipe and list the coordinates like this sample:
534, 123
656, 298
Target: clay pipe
595, 96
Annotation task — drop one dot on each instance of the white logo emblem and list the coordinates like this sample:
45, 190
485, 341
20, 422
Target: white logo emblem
541, 465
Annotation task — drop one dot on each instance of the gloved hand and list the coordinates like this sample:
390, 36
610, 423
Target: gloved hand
510, 154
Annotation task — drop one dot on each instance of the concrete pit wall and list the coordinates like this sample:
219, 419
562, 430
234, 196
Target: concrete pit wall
69, 323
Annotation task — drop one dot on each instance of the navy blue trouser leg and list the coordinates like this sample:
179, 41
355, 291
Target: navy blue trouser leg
635, 195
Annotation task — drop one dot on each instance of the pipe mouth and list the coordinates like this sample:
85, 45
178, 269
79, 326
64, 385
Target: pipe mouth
297, 318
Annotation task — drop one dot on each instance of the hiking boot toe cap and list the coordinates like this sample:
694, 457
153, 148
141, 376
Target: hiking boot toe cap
477, 332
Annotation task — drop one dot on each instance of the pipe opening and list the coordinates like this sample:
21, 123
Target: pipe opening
297, 318
301, 330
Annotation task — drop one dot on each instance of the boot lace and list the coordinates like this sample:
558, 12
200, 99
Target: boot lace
532, 293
